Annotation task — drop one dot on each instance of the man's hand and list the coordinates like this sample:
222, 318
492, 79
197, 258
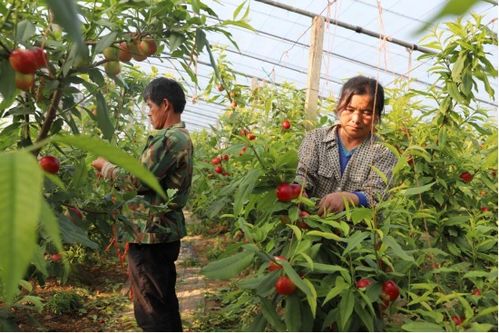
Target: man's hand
98, 164
334, 202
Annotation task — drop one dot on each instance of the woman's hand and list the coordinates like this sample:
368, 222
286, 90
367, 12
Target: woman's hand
335, 202
98, 164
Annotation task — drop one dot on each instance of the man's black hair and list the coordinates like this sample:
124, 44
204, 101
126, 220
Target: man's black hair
361, 85
160, 88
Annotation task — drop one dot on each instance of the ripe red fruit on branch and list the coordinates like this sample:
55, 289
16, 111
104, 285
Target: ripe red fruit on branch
484, 209
274, 266
24, 81
55, 257
40, 57
23, 61
287, 192
226, 157
466, 177
220, 87
457, 320
219, 169
390, 291
251, 136
49, 164
286, 124
476, 292
363, 283
284, 286
124, 54
147, 46
215, 160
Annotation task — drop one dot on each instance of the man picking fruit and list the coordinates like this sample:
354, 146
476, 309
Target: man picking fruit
338, 164
152, 255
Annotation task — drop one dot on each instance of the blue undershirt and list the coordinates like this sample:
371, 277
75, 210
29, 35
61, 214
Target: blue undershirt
345, 156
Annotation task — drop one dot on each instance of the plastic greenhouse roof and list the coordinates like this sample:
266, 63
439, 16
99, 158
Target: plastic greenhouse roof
277, 50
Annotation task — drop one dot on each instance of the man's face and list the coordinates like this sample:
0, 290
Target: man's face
358, 117
157, 113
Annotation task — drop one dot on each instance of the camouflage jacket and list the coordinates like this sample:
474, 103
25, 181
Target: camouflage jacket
168, 155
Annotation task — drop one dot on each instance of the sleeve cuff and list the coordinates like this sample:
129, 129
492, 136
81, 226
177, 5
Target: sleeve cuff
362, 199
107, 170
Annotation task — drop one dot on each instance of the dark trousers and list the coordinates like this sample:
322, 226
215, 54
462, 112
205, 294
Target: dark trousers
152, 274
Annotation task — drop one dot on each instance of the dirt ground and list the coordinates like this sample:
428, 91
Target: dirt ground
104, 303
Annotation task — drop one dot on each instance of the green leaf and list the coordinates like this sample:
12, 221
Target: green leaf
365, 317
66, 15
422, 326
196, 6
241, 24
39, 262
229, 267
238, 10
7, 83
326, 235
245, 189
458, 67
346, 308
292, 315
452, 7
397, 249
417, 190
296, 231
355, 240
200, 40
105, 41
103, 120
73, 234
25, 30
55, 180
32, 300
340, 286
21, 182
114, 155
312, 298
175, 40
297, 280
48, 222
271, 315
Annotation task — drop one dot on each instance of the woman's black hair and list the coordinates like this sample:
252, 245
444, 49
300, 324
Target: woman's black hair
160, 88
361, 85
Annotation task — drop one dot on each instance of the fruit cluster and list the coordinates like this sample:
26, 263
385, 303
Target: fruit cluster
138, 49
25, 63
217, 162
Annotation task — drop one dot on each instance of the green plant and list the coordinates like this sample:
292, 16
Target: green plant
64, 302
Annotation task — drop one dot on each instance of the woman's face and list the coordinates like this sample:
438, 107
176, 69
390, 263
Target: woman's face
357, 118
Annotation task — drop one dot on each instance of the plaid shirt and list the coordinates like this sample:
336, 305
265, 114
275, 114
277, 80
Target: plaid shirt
168, 155
319, 166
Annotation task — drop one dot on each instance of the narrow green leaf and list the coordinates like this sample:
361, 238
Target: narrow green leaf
25, 30
346, 308
355, 240
297, 280
422, 326
229, 267
21, 182
271, 315
105, 41
397, 249
200, 40
114, 155
73, 234
7, 83
312, 298
103, 120
39, 262
417, 190
366, 318
48, 222
339, 286
326, 235
292, 315
238, 10
458, 67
